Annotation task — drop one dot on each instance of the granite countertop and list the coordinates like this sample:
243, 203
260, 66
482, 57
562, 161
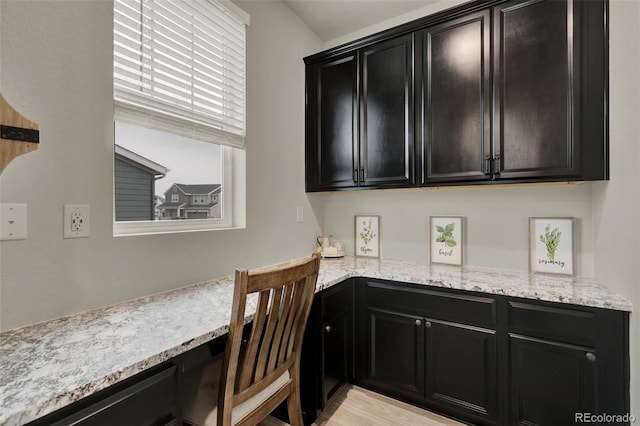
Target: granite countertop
46, 366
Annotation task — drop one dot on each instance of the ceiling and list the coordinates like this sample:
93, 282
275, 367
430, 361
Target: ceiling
331, 19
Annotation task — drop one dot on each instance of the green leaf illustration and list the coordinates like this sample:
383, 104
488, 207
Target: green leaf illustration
445, 235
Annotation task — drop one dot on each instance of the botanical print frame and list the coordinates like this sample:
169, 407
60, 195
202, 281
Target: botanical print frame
446, 239
367, 236
552, 245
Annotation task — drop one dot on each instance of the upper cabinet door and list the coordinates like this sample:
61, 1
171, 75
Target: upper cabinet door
535, 91
455, 98
386, 114
332, 117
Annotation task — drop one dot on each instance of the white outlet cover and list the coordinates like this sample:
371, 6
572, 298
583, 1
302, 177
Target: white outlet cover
13, 221
76, 221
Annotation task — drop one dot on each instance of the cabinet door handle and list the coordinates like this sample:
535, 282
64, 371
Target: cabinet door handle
327, 329
487, 165
496, 165
418, 322
427, 324
362, 175
355, 175
591, 356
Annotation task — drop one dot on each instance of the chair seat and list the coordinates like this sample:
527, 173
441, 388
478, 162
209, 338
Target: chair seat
202, 409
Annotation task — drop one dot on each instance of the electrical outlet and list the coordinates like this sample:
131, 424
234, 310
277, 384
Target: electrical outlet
299, 215
76, 221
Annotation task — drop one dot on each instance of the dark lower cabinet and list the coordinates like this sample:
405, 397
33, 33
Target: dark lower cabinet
336, 352
409, 351
550, 382
461, 370
490, 359
565, 361
327, 348
483, 359
395, 353
149, 399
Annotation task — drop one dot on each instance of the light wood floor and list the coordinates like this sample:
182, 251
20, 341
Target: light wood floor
354, 406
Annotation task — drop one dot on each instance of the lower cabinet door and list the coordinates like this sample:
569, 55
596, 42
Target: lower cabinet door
395, 355
551, 383
335, 354
461, 371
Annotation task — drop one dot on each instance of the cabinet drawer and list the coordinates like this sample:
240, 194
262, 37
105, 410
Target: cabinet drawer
553, 322
458, 307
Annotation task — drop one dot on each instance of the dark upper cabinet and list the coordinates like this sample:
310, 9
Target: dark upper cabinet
455, 95
386, 114
550, 61
332, 117
486, 92
537, 90
360, 118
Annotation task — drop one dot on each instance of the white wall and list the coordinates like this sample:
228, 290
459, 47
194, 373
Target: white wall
608, 213
56, 69
616, 204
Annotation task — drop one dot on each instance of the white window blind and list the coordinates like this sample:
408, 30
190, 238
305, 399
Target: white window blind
179, 66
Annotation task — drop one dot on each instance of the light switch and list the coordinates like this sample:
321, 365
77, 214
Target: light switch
13, 221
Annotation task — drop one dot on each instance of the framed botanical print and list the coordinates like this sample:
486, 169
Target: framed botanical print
551, 245
367, 236
446, 239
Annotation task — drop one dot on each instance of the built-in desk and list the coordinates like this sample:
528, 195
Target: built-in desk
50, 365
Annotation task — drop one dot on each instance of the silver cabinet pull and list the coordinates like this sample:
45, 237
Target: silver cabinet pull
418, 322
487, 165
591, 356
427, 324
327, 329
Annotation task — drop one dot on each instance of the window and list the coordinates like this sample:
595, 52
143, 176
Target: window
179, 104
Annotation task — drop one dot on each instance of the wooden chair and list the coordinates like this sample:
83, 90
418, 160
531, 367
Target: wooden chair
259, 374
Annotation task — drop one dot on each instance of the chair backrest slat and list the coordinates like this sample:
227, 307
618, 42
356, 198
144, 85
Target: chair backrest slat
257, 331
283, 316
272, 322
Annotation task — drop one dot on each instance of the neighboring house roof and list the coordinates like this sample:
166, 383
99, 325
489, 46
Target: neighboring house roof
189, 190
199, 189
140, 161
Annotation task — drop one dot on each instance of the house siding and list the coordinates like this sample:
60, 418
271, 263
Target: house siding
134, 190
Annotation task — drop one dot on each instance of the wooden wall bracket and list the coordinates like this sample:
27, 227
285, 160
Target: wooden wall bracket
17, 134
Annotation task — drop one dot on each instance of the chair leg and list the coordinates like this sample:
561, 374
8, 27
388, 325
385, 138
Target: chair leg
294, 409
